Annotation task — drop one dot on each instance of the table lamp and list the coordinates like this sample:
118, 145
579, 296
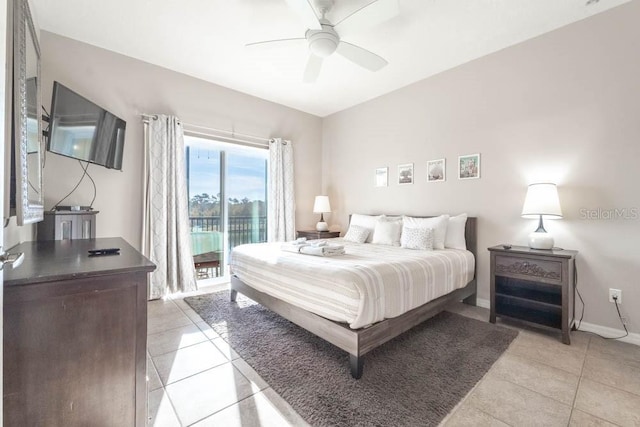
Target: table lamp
321, 206
541, 201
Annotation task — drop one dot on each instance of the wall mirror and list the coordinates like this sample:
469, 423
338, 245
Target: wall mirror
27, 134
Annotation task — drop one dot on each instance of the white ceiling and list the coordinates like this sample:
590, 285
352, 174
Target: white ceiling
206, 38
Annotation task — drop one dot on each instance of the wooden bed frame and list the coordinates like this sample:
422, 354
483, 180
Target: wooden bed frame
358, 342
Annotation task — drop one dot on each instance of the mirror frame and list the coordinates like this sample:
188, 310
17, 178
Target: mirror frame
27, 211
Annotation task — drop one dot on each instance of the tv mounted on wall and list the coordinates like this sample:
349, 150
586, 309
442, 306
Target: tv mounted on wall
82, 130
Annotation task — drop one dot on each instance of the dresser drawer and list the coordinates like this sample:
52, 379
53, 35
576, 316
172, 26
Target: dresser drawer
549, 271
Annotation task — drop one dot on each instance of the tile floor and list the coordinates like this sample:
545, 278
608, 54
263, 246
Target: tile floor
195, 378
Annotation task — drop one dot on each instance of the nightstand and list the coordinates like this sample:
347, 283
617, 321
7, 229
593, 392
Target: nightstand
534, 285
314, 235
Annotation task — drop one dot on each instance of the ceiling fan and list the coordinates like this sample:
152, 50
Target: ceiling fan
323, 38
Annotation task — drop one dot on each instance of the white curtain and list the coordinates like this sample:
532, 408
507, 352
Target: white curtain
281, 198
166, 237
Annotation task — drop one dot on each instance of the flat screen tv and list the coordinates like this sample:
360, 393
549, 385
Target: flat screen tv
82, 130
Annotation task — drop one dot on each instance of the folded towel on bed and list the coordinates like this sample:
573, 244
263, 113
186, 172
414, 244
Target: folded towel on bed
326, 250
292, 246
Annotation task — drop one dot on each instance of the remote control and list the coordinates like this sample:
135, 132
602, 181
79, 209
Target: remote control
107, 251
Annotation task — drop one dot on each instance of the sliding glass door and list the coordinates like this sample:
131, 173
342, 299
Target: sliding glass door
246, 187
227, 185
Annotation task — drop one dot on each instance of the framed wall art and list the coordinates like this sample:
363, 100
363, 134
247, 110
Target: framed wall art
436, 170
382, 177
469, 166
405, 173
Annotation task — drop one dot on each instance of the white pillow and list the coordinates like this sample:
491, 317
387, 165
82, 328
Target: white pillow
366, 221
387, 232
356, 234
455, 232
438, 224
417, 238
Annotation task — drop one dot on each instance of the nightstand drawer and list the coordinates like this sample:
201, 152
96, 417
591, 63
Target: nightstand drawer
535, 269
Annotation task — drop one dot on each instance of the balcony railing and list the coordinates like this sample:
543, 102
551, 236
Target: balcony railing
241, 229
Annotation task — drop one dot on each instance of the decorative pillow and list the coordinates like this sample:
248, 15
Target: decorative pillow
387, 232
356, 234
366, 221
438, 224
417, 238
455, 232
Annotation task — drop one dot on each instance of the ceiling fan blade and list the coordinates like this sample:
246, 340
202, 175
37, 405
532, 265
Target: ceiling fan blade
282, 42
360, 56
305, 11
368, 16
312, 70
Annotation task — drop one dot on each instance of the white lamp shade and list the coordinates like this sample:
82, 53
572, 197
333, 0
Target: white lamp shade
321, 204
542, 199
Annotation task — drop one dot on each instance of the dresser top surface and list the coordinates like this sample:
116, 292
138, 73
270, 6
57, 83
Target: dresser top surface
53, 260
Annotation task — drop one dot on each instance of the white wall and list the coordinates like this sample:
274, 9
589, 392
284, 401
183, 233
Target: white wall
128, 87
564, 107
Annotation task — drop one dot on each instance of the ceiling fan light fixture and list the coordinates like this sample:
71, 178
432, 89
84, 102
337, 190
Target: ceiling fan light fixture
323, 47
323, 42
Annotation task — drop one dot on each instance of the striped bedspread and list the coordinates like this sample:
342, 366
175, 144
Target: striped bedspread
367, 284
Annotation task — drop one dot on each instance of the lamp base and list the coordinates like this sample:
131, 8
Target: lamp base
322, 226
540, 240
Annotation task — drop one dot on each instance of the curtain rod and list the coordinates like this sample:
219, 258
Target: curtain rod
227, 139
228, 132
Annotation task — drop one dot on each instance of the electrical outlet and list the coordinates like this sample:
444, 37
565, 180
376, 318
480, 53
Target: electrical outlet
615, 293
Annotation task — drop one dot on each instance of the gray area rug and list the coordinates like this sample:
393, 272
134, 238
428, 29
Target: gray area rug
412, 380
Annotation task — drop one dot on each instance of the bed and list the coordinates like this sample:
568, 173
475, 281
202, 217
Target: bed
360, 300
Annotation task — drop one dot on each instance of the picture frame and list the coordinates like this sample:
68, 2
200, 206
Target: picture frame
382, 177
436, 170
405, 174
469, 166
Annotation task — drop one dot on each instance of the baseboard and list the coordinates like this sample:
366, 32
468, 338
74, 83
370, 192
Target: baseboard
632, 338
605, 331
484, 303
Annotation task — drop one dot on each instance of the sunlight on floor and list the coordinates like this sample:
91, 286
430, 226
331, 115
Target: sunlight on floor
195, 378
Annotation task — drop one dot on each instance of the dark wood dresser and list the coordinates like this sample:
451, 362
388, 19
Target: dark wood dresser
534, 285
75, 335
